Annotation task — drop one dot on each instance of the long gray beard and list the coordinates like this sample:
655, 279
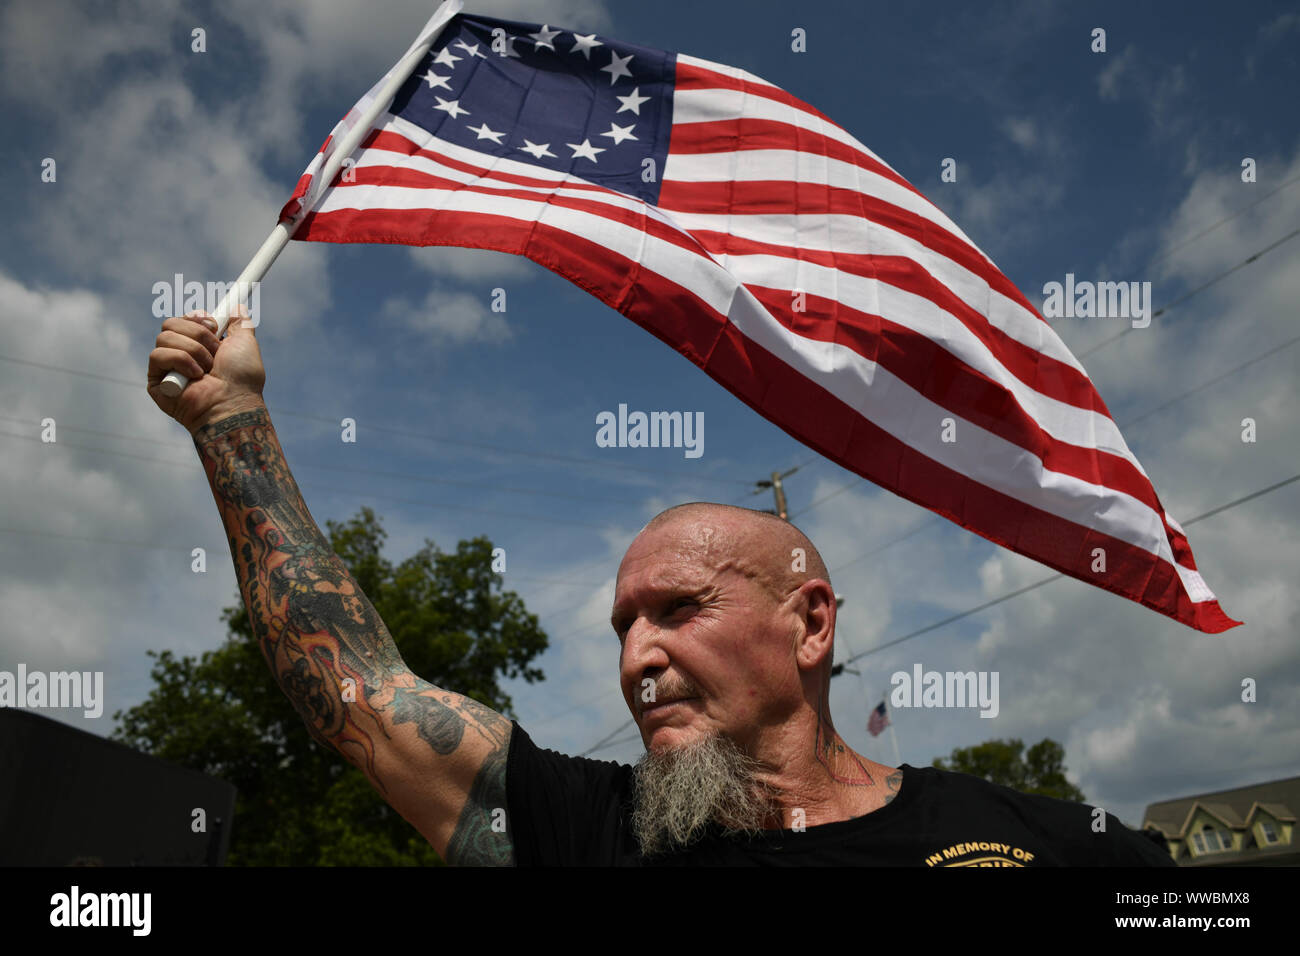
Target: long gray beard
679, 793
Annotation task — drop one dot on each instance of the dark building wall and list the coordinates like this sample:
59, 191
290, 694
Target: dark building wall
67, 796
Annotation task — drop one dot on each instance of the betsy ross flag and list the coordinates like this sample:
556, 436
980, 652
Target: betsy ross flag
878, 720
770, 247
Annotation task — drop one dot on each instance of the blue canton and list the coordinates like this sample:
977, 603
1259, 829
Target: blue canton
576, 103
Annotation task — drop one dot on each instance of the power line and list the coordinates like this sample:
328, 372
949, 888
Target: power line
1054, 577
1281, 346
309, 466
484, 446
616, 743
1208, 229
568, 710
607, 738
1201, 288
194, 464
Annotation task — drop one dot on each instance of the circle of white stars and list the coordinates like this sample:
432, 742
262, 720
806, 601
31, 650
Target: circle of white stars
544, 39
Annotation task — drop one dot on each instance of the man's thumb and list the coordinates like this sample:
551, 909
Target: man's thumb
240, 322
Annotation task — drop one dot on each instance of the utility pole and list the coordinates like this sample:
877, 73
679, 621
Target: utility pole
783, 512
778, 490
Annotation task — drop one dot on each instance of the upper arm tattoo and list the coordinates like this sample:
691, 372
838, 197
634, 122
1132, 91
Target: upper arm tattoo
442, 719
893, 784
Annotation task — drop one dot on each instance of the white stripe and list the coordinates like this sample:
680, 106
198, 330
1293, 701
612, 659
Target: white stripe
1064, 422
832, 232
1194, 584
897, 408
865, 386
563, 183
795, 166
721, 105
850, 234
843, 135
970, 288
734, 72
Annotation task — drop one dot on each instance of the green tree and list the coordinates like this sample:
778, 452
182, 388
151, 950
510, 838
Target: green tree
300, 803
1040, 771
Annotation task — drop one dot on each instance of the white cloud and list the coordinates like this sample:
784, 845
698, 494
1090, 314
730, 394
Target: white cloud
472, 265
1111, 77
455, 318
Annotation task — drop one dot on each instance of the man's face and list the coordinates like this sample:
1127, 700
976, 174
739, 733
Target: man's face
712, 640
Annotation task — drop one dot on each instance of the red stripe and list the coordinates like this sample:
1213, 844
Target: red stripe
778, 392
710, 199
691, 77
1040, 372
949, 382
783, 198
391, 142
739, 135
402, 177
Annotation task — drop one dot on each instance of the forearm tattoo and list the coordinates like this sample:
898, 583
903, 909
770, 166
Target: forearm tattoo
326, 646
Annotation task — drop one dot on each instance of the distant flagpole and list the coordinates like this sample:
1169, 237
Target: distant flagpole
174, 383
894, 740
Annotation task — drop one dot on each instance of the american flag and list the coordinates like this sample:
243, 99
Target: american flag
784, 258
878, 720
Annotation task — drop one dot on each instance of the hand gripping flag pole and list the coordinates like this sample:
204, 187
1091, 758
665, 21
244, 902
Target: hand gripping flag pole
354, 127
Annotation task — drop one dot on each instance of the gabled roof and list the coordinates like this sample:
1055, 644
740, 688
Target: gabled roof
1234, 808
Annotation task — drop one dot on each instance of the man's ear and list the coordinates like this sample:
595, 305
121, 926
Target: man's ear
814, 603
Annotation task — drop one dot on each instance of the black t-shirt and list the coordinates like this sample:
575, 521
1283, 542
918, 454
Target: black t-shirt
566, 810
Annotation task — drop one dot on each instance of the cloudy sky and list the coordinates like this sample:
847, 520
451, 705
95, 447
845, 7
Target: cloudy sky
1124, 164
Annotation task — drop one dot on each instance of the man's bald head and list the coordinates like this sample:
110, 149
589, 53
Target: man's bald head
762, 545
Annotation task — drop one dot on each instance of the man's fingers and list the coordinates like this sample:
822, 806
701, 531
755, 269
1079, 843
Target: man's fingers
164, 360
196, 350
191, 329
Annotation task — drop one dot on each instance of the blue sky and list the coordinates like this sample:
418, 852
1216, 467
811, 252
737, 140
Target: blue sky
1103, 165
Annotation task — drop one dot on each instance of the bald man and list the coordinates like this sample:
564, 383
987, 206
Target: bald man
725, 620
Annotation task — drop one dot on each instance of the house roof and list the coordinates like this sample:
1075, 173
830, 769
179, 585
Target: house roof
1235, 808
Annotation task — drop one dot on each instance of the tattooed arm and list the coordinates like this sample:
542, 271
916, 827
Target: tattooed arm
437, 757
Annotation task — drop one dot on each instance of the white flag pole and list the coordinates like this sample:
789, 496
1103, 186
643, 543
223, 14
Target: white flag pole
380, 96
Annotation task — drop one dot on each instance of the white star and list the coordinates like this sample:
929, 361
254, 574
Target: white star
537, 151
620, 133
632, 101
584, 149
485, 133
545, 37
617, 67
471, 50
446, 59
509, 51
435, 80
585, 44
452, 107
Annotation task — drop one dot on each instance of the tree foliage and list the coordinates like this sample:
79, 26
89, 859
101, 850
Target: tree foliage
300, 803
1041, 770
